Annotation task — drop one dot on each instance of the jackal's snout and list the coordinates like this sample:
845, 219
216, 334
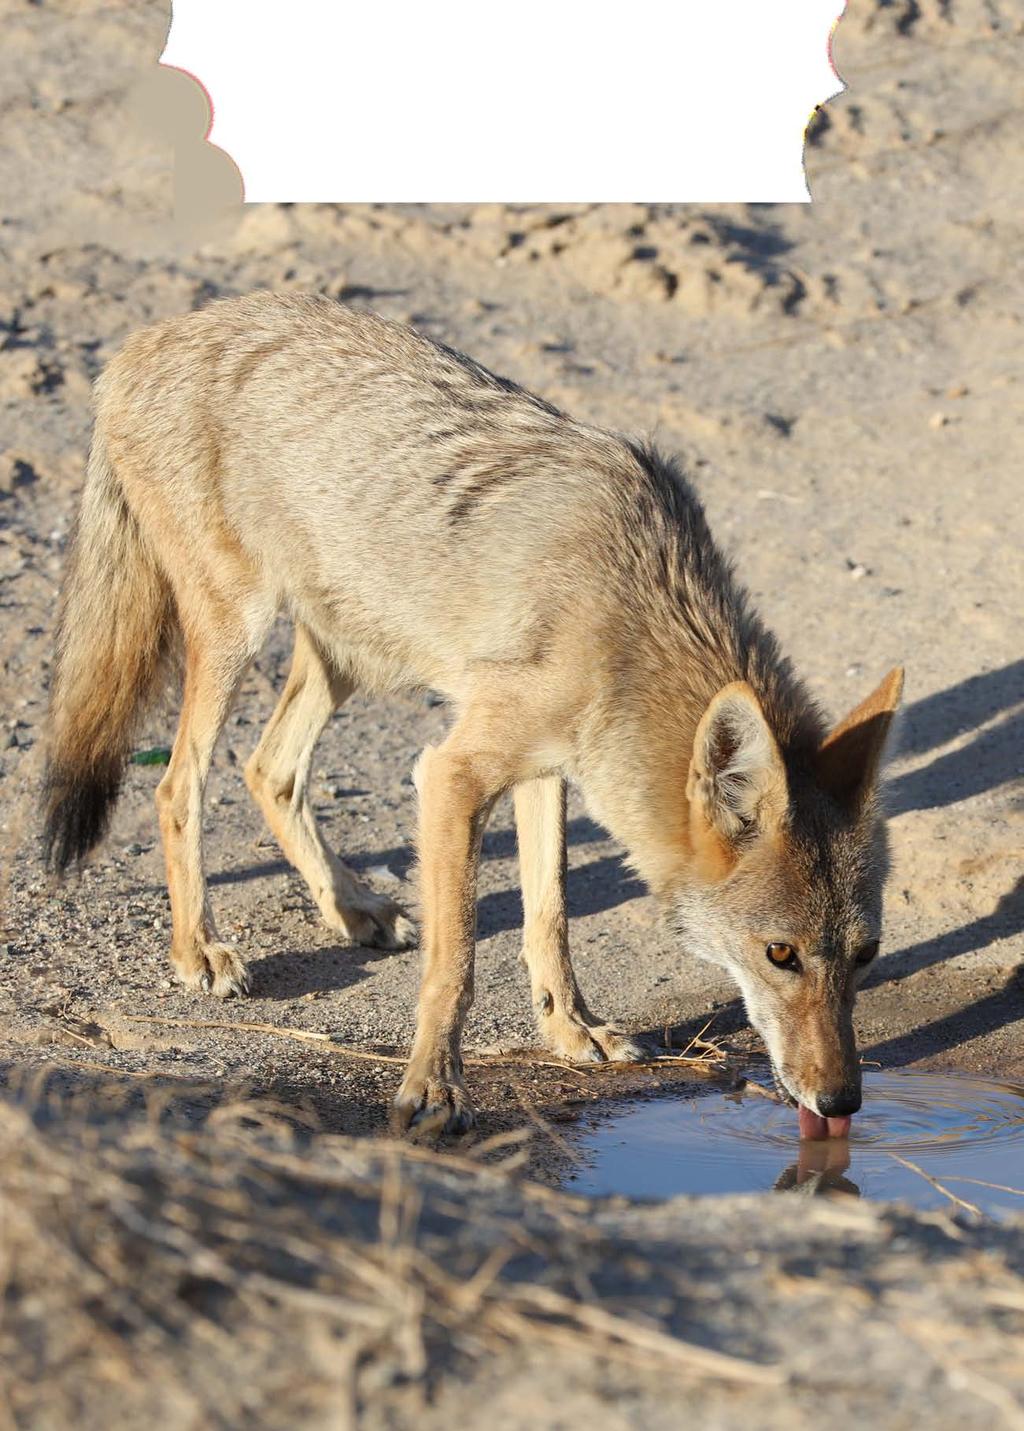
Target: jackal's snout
842, 1103
816, 1060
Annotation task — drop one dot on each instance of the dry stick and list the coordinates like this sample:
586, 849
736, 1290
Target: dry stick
479, 1061
581, 1319
302, 1035
72, 1033
698, 1038
981, 1183
545, 1127
758, 1091
961, 1202
501, 1140
532, 1312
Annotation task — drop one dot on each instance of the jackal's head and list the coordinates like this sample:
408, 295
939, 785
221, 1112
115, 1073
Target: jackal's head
789, 863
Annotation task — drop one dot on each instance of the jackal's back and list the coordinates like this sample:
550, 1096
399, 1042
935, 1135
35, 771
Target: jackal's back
397, 496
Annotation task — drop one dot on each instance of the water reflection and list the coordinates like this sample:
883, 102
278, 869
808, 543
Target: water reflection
915, 1130
818, 1170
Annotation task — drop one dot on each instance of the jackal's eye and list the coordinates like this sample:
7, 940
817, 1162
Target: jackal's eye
783, 956
867, 952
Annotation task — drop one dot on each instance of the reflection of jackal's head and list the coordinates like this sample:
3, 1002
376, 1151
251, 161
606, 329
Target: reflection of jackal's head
790, 859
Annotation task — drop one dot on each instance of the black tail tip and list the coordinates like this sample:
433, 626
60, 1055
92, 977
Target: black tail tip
77, 810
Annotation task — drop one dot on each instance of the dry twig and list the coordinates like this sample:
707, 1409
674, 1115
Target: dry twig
710, 1052
959, 1201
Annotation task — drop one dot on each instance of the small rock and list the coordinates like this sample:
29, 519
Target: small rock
958, 390
857, 570
938, 419
383, 872
16, 470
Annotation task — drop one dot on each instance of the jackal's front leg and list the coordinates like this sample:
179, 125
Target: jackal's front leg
565, 1022
455, 796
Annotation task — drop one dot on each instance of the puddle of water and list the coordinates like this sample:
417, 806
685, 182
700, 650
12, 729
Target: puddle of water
952, 1126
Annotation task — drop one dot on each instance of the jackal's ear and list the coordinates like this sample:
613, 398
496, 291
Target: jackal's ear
849, 758
737, 782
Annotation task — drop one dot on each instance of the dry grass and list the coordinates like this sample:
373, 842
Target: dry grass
710, 1056
156, 1273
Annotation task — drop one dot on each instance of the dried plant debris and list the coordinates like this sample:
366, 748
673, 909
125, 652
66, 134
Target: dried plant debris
249, 1270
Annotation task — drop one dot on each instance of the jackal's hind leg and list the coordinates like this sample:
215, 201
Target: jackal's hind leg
564, 1021
215, 666
278, 776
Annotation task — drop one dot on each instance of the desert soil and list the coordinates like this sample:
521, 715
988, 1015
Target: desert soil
843, 383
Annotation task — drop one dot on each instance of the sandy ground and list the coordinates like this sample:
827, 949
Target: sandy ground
844, 384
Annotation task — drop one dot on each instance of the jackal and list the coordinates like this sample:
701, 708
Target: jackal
425, 523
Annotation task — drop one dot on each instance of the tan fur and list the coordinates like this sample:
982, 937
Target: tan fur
562, 1016
848, 760
278, 777
425, 523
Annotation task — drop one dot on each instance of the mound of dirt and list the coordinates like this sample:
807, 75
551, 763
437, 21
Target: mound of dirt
701, 261
929, 17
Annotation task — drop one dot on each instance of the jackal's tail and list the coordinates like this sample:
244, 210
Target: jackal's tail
115, 628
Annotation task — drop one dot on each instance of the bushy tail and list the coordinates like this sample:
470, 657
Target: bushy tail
114, 630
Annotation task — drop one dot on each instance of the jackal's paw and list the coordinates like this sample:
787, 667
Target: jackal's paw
392, 929
380, 925
216, 969
573, 1039
428, 1105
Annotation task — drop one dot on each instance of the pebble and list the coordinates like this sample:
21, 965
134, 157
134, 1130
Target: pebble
938, 419
383, 872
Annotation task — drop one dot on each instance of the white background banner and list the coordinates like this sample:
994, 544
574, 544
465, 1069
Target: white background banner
531, 100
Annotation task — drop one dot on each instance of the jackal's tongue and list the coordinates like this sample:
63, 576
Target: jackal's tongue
813, 1125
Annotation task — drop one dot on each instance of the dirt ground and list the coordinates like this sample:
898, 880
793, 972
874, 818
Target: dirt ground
844, 384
